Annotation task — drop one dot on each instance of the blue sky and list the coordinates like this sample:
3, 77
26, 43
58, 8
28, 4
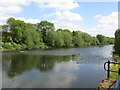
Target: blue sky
91, 17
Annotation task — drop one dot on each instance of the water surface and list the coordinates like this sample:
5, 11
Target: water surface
55, 68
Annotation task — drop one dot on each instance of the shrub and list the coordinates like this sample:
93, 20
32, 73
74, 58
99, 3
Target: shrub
8, 46
116, 58
1, 43
23, 46
16, 46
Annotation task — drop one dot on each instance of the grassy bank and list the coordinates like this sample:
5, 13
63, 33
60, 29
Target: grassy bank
14, 46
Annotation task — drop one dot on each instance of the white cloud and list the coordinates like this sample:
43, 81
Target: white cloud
11, 6
14, 2
9, 10
63, 19
57, 4
66, 20
67, 25
107, 25
8, 7
3, 18
33, 21
97, 16
66, 16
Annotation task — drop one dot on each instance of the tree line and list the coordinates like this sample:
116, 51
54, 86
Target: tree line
17, 34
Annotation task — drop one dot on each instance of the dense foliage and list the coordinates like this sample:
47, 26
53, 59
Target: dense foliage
116, 54
117, 42
17, 34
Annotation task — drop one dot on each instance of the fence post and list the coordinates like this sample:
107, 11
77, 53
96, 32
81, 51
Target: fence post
118, 71
108, 74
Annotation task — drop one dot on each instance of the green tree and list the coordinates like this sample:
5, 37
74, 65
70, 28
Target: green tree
44, 27
59, 39
87, 38
31, 38
67, 38
50, 38
17, 34
95, 41
102, 39
117, 42
77, 39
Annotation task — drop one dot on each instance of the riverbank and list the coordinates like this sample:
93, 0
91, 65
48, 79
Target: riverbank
110, 82
45, 46
2, 50
106, 83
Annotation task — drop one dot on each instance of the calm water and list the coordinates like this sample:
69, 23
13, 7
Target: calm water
55, 68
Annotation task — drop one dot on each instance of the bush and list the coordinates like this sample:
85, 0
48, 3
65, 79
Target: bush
116, 58
1, 43
16, 46
7, 46
43, 45
23, 46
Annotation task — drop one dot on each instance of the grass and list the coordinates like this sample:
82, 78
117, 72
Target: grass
114, 75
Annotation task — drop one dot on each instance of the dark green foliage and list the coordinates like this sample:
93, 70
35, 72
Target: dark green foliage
59, 42
105, 40
95, 41
50, 38
17, 46
18, 34
87, 39
67, 38
117, 42
77, 39
44, 27
31, 38
116, 58
7, 46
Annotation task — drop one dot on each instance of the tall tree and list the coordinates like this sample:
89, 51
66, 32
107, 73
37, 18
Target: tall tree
67, 38
77, 39
44, 27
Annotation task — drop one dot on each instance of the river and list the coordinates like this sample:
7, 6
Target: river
55, 68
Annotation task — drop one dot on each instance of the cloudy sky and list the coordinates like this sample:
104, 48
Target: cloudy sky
91, 17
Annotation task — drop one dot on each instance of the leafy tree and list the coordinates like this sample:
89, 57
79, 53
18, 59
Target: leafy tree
105, 40
17, 34
31, 38
117, 42
44, 27
102, 39
87, 38
77, 39
59, 30
95, 41
50, 38
59, 39
67, 38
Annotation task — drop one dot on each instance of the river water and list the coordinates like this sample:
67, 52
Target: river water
55, 68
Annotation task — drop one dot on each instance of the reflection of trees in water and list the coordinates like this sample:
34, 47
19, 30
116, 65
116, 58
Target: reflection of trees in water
20, 63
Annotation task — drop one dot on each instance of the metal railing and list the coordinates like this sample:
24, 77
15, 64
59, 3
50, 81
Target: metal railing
117, 84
